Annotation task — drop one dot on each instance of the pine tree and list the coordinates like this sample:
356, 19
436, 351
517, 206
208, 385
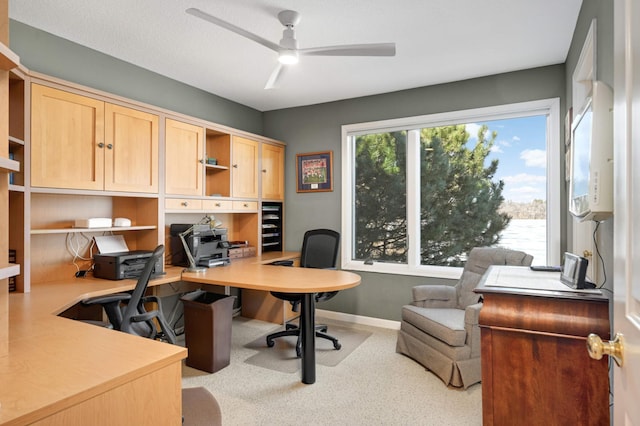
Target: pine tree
459, 199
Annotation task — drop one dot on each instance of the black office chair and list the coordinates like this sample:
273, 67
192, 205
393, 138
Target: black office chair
319, 250
126, 311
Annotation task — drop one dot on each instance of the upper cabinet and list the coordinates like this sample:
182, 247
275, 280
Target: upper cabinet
272, 172
244, 168
184, 145
78, 142
131, 156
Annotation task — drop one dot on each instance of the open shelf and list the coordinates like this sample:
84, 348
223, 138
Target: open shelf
8, 59
271, 226
9, 270
8, 164
88, 230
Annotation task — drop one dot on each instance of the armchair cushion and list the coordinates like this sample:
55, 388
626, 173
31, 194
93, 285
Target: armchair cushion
434, 296
446, 324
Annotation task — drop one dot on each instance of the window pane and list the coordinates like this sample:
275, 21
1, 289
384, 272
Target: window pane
521, 149
380, 197
483, 184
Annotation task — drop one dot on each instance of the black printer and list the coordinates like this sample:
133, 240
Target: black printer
123, 265
208, 246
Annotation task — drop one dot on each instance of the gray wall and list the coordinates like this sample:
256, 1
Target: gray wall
318, 128
43, 52
602, 12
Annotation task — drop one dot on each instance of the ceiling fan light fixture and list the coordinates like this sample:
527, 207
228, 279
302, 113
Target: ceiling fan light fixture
288, 57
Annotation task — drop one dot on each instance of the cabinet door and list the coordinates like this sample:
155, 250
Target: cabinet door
184, 151
131, 156
244, 168
67, 140
272, 172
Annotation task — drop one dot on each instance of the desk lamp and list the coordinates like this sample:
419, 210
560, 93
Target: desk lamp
192, 263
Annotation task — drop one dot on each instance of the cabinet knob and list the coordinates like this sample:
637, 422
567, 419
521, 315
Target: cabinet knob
246, 204
184, 203
614, 348
100, 145
110, 146
218, 205
235, 166
264, 170
202, 161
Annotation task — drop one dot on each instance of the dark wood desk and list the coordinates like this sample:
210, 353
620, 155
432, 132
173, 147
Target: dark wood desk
257, 274
535, 365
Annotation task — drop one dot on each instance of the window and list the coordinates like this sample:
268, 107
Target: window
420, 192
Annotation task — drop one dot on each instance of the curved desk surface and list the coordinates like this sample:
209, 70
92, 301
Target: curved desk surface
257, 274
59, 368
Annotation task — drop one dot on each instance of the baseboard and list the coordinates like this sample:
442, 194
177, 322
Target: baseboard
359, 319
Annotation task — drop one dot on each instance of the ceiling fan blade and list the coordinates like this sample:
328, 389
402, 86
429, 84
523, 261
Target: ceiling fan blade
275, 77
226, 25
377, 49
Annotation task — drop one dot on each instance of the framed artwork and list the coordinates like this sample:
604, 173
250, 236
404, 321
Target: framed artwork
314, 172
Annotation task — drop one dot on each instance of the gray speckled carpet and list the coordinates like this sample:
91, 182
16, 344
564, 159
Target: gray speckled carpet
373, 385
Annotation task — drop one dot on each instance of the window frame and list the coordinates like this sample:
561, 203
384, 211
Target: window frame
548, 107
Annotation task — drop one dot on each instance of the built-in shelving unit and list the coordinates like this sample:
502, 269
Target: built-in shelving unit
8, 61
271, 225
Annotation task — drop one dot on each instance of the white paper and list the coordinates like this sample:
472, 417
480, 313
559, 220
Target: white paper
111, 243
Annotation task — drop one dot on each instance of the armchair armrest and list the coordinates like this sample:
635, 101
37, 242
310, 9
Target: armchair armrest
434, 296
472, 313
109, 298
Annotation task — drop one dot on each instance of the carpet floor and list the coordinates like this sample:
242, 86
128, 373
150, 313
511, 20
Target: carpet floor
372, 385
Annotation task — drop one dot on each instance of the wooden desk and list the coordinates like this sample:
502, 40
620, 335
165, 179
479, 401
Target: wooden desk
60, 371
257, 274
535, 365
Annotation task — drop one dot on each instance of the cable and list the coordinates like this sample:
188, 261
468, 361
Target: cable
595, 244
75, 247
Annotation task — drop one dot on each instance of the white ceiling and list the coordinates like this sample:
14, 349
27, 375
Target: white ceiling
437, 41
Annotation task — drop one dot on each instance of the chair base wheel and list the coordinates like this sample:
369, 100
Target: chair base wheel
270, 343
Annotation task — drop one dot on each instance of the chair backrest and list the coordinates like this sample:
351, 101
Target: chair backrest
320, 249
479, 260
133, 305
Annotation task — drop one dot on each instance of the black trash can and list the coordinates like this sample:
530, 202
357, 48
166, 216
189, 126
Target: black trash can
207, 329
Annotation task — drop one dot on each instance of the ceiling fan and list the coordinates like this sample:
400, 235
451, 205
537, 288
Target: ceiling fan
287, 49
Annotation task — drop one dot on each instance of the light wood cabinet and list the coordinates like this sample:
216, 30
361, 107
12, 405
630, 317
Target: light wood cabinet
131, 158
78, 142
244, 168
66, 133
184, 148
272, 171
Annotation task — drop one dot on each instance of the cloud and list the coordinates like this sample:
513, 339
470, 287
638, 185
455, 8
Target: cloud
534, 158
473, 128
496, 149
524, 194
504, 143
516, 139
524, 178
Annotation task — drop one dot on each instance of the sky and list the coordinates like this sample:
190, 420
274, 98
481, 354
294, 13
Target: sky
521, 150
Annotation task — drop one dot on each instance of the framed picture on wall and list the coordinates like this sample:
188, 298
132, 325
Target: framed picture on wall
314, 172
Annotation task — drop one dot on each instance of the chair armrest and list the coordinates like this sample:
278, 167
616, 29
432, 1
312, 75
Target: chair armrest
472, 313
109, 298
434, 296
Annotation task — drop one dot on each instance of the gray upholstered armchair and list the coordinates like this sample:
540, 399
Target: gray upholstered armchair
439, 329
